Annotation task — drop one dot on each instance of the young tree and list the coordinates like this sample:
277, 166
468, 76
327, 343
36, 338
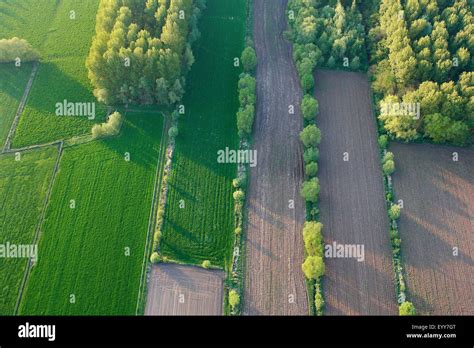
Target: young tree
313, 267
249, 59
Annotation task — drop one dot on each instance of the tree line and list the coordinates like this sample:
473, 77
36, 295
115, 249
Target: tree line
423, 53
141, 51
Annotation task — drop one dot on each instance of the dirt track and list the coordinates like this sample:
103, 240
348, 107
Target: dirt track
274, 280
184, 290
352, 198
438, 215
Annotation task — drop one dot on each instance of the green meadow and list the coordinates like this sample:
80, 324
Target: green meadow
203, 228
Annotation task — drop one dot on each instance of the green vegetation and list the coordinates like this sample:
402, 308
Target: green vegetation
313, 267
247, 98
13, 81
325, 33
142, 50
310, 136
234, 299
313, 238
423, 54
309, 107
249, 59
96, 225
23, 188
13, 49
63, 39
310, 190
109, 128
407, 308
203, 229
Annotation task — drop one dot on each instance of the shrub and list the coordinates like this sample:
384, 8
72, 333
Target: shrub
309, 107
313, 239
157, 236
234, 298
249, 59
388, 167
311, 169
394, 212
388, 156
313, 267
238, 231
407, 308
155, 258
239, 196
175, 116
11, 49
319, 302
206, 264
310, 136
108, 128
311, 154
310, 190
173, 132
307, 82
383, 141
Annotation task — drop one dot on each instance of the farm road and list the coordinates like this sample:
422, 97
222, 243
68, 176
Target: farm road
351, 200
274, 282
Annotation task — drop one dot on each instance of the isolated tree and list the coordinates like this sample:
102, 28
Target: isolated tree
12, 49
313, 267
249, 59
310, 136
309, 107
407, 308
310, 190
108, 128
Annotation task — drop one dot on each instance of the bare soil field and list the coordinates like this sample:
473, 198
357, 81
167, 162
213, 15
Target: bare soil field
437, 216
274, 281
184, 290
351, 200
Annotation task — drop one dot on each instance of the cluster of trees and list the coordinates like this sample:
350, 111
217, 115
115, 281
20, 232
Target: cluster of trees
15, 48
247, 92
424, 53
142, 50
326, 33
108, 128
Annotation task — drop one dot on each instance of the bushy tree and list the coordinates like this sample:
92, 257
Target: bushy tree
311, 169
249, 59
206, 264
394, 212
11, 49
310, 136
309, 107
109, 128
313, 239
311, 154
234, 298
310, 190
313, 267
407, 308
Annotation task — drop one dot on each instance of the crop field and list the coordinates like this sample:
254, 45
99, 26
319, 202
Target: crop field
12, 84
184, 290
274, 243
351, 200
96, 225
203, 228
63, 44
23, 187
437, 218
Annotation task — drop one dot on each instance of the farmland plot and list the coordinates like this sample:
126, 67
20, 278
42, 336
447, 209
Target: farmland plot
199, 214
274, 280
437, 217
96, 225
23, 188
184, 290
13, 81
63, 45
351, 201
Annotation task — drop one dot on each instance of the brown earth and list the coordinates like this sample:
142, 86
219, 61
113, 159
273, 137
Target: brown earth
351, 201
437, 216
184, 290
274, 282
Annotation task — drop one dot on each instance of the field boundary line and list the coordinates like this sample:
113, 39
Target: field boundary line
154, 207
39, 226
20, 108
